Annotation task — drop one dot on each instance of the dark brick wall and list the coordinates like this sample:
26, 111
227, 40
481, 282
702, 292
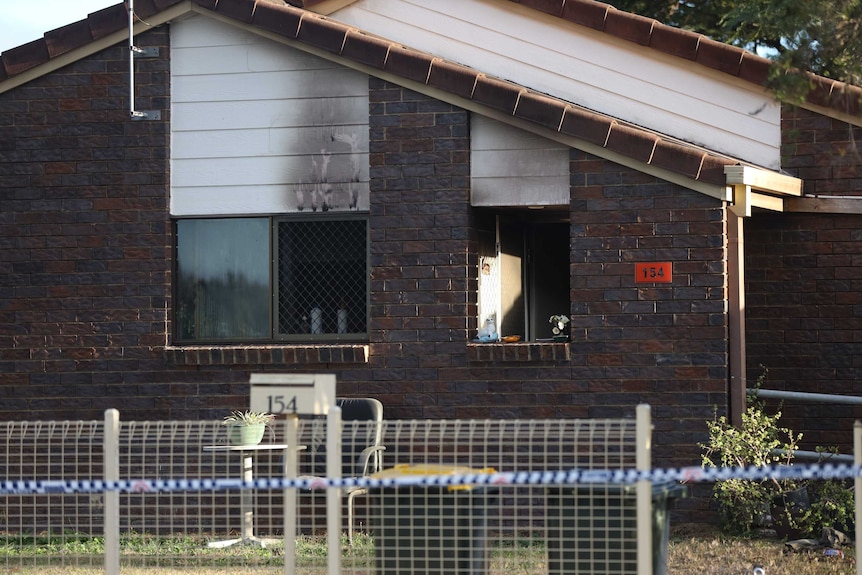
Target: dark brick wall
804, 284
85, 255
661, 344
804, 316
83, 239
824, 152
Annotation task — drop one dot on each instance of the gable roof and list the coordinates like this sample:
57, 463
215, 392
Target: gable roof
708, 171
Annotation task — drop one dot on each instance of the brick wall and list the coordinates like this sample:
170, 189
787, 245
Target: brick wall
85, 254
824, 152
84, 245
803, 279
662, 344
803, 321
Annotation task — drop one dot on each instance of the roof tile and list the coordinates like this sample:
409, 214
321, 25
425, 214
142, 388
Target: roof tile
408, 63
146, 8
846, 98
719, 56
629, 26
241, 10
712, 169
365, 48
495, 93
107, 21
754, 69
586, 126
26, 56
680, 43
587, 13
322, 32
540, 109
553, 7
821, 94
67, 38
281, 21
455, 78
164, 4
677, 158
208, 4
632, 142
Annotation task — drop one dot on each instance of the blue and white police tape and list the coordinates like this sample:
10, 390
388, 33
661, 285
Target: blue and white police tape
561, 477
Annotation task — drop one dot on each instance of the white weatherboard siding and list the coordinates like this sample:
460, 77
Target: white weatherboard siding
669, 95
511, 167
260, 128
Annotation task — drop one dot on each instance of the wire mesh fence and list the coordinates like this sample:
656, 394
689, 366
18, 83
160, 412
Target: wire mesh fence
458, 528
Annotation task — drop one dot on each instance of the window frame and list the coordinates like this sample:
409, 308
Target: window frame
274, 337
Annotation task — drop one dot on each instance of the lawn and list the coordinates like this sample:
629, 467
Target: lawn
692, 549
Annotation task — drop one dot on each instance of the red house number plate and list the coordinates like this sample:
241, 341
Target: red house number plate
653, 272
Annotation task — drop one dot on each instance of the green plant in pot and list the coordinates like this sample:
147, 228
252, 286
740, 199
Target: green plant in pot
247, 427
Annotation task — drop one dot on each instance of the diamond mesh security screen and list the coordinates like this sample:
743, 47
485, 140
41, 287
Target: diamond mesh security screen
322, 278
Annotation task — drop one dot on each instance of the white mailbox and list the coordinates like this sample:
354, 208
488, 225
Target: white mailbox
299, 394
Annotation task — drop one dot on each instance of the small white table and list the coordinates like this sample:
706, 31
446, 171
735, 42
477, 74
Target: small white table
247, 452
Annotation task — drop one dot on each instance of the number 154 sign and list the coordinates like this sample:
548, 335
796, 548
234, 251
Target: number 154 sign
653, 272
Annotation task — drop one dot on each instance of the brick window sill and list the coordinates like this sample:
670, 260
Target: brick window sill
266, 354
518, 352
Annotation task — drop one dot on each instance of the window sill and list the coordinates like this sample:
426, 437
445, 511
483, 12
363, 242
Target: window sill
518, 352
267, 354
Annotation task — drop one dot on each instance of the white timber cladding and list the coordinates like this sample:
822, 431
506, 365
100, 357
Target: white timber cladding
259, 128
512, 167
622, 79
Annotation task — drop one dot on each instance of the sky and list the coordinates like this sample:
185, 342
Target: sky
22, 21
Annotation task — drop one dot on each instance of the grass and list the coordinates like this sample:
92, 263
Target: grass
692, 549
705, 551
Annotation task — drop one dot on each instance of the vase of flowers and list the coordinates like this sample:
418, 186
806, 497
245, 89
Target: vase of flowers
560, 327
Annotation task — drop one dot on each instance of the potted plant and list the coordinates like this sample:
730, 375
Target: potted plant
560, 327
247, 427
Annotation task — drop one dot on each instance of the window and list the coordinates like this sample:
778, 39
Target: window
260, 279
523, 270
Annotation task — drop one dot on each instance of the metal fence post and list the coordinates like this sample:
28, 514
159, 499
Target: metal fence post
333, 494
857, 489
111, 451
643, 431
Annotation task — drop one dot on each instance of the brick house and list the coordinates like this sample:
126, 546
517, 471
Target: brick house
348, 188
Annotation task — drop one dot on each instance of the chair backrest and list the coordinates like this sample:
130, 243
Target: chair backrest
357, 438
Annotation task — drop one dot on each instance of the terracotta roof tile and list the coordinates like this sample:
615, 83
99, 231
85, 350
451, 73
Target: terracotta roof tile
712, 169
587, 13
68, 38
754, 69
498, 94
629, 27
632, 142
208, 4
540, 109
684, 160
453, 78
679, 43
322, 32
26, 56
283, 22
409, 63
241, 10
552, 7
719, 56
146, 8
365, 48
585, 125
106, 22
